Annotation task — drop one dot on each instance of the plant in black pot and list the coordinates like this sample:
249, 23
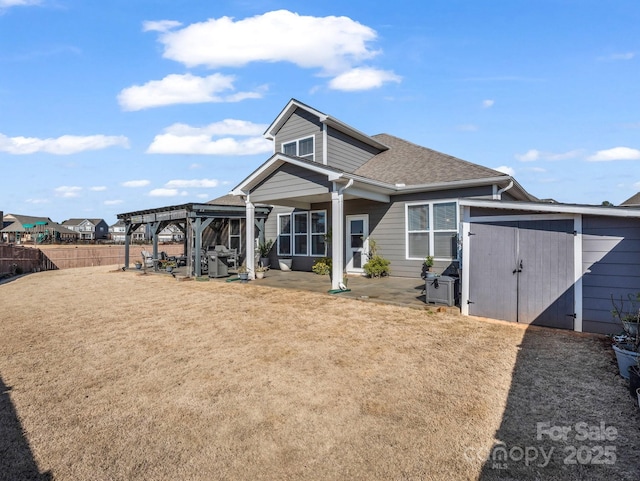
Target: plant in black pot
627, 345
426, 267
264, 248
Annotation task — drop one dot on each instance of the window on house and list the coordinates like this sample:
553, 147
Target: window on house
235, 234
300, 148
432, 230
305, 230
300, 230
284, 235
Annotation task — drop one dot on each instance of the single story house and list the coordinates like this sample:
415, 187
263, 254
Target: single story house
18, 229
333, 189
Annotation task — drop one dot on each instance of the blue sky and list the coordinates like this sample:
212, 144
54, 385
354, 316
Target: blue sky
115, 106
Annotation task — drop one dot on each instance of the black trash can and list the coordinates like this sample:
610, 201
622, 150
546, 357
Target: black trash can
441, 290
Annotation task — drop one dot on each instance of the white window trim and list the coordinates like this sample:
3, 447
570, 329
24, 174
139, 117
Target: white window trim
294, 234
290, 235
431, 230
309, 234
312, 157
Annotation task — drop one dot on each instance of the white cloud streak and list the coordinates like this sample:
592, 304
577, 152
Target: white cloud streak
183, 89
488, 103
505, 170
64, 145
193, 183
67, 191
534, 154
98, 188
113, 202
363, 79
166, 193
18, 3
616, 153
136, 183
185, 139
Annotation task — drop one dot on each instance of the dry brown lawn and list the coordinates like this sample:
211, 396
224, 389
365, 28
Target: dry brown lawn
109, 375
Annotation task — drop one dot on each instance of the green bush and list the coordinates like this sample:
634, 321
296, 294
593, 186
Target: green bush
377, 266
322, 266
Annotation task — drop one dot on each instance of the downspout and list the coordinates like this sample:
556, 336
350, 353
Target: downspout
349, 184
498, 194
337, 238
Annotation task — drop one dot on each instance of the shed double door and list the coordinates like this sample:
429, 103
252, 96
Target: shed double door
523, 271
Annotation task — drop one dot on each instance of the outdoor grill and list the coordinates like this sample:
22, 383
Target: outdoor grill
219, 259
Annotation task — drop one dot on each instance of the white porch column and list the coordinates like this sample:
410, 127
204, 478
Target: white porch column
250, 258
337, 238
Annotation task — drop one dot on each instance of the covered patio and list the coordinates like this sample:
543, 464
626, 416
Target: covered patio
218, 222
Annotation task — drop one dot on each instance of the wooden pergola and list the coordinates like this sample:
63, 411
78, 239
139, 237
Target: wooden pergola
193, 220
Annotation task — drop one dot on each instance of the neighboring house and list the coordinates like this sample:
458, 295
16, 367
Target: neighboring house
20, 229
89, 229
335, 188
171, 233
117, 233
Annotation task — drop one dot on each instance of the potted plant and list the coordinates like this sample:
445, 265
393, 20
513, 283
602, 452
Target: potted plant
243, 273
376, 266
260, 271
264, 248
627, 345
426, 267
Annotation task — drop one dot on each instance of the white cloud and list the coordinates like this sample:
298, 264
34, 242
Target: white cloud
185, 139
505, 170
202, 196
331, 43
637, 185
619, 56
617, 153
113, 202
18, 3
183, 89
193, 183
98, 188
529, 156
37, 201
64, 145
195, 166
534, 154
166, 193
362, 78
488, 103
136, 183
536, 169
160, 25
224, 127
67, 191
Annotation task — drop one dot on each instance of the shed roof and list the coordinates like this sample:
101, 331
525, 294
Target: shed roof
634, 200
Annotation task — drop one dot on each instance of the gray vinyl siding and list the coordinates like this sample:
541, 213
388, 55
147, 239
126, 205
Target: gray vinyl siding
346, 153
611, 267
300, 125
290, 181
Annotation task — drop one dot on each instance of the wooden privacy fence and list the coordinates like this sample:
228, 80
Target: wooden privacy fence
16, 259
87, 256
20, 259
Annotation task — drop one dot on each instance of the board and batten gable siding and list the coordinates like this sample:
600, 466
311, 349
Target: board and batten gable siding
300, 125
346, 153
288, 182
611, 267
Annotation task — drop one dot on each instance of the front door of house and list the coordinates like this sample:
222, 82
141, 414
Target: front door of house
357, 243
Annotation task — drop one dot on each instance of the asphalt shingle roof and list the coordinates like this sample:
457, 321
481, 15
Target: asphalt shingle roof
411, 164
633, 200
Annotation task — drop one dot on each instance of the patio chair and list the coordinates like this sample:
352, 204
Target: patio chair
147, 259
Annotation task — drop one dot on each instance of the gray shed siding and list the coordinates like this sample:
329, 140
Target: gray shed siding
290, 181
611, 267
300, 125
347, 153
